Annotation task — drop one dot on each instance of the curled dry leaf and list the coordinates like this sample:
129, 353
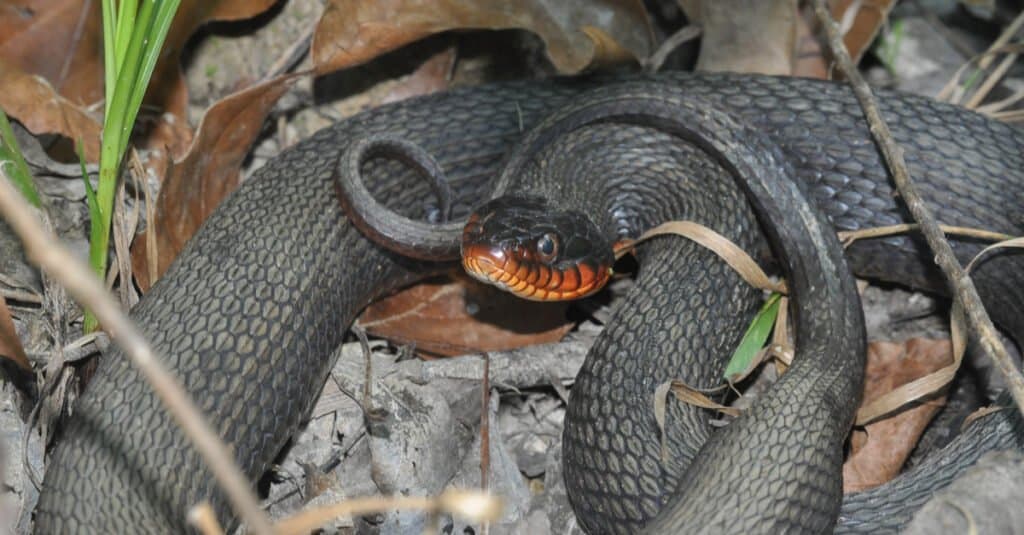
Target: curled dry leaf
431, 76
34, 102
51, 62
860, 21
577, 33
879, 450
10, 345
453, 318
745, 35
208, 172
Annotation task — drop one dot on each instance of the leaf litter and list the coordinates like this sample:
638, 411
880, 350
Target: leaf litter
47, 101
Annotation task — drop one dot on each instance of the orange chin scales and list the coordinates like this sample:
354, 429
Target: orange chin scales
533, 281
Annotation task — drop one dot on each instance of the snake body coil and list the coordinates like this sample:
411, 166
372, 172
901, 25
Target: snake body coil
256, 302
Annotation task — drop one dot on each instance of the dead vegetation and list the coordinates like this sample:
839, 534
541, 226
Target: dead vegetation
244, 80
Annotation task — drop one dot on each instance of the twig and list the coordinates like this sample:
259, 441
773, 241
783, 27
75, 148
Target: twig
674, 41
957, 278
53, 257
204, 519
468, 504
990, 81
485, 431
1003, 39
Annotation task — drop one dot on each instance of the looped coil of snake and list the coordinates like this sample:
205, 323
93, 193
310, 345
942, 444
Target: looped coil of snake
248, 318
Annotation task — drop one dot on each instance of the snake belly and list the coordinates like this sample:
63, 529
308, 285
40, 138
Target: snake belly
253, 307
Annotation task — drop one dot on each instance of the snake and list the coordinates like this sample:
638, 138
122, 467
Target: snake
251, 310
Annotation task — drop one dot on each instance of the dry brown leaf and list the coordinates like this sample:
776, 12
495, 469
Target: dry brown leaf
61, 41
208, 172
32, 101
431, 76
168, 91
352, 32
58, 40
738, 259
880, 449
10, 345
860, 21
434, 317
809, 60
745, 35
51, 63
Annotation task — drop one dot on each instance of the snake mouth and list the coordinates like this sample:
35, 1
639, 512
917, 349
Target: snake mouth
530, 280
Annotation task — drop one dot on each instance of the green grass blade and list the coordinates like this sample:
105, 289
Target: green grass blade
109, 53
14, 164
90, 193
158, 26
126, 20
133, 37
753, 340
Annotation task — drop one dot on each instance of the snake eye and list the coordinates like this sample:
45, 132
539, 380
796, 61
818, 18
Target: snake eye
547, 246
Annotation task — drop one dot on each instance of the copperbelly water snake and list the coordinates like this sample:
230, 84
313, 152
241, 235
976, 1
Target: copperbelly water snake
249, 312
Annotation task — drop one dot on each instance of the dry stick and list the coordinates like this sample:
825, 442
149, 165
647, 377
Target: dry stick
1003, 39
485, 432
674, 41
51, 256
957, 278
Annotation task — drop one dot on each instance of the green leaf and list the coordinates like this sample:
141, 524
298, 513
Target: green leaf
744, 358
90, 193
133, 34
13, 163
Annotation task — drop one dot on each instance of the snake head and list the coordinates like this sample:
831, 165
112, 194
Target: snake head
525, 246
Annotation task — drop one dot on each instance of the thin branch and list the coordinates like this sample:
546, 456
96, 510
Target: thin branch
957, 278
468, 504
79, 280
485, 433
674, 41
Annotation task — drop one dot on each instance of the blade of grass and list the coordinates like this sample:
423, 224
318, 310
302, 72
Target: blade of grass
14, 163
109, 55
743, 358
159, 26
133, 36
126, 20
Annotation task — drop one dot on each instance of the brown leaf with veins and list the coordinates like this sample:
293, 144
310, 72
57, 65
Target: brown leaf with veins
10, 345
351, 32
61, 42
464, 316
208, 172
880, 449
40, 109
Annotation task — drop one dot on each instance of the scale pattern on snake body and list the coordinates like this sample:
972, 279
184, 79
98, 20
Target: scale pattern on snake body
251, 310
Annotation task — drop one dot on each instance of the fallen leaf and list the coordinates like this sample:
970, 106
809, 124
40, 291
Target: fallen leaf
51, 63
58, 40
462, 316
577, 34
860, 21
880, 449
809, 59
745, 35
10, 345
208, 172
42, 110
431, 76
168, 90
